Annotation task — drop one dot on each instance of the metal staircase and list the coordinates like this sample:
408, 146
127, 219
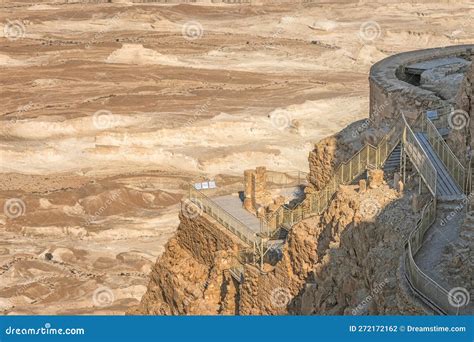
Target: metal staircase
393, 161
444, 176
445, 185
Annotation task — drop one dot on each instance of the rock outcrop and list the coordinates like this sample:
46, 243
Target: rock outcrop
345, 261
360, 271
330, 152
191, 277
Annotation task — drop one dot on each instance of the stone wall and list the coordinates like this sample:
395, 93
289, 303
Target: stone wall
390, 95
271, 293
463, 134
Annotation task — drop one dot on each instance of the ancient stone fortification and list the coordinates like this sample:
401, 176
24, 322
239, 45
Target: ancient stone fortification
345, 261
390, 92
465, 102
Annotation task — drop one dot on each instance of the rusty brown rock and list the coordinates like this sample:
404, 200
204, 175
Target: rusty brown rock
375, 178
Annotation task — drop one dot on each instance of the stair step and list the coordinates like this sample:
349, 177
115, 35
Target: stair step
444, 131
445, 184
393, 160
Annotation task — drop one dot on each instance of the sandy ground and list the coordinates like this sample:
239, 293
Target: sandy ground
108, 110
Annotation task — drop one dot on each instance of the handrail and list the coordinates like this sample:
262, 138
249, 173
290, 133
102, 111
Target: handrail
285, 179
316, 203
232, 223
443, 112
447, 156
419, 158
436, 294
433, 293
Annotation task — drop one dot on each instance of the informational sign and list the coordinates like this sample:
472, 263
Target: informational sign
205, 185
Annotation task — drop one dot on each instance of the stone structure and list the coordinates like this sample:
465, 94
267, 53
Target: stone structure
375, 178
248, 190
256, 195
391, 92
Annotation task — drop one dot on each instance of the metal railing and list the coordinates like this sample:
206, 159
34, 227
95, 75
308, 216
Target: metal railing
442, 116
429, 290
233, 224
316, 203
449, 159
237, 272
433, 293
419, 158
285, 179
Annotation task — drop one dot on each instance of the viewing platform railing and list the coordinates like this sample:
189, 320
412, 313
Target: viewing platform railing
316, 203
433, 293
428, 289
419, 158
444, 152
233, 224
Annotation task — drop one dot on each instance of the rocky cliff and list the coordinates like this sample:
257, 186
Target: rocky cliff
191, 277
330, 152
345, 261
359, 272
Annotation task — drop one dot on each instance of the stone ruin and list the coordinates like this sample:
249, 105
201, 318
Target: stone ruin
258, 199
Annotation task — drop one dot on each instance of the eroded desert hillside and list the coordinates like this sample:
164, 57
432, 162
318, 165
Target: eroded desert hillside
109, 110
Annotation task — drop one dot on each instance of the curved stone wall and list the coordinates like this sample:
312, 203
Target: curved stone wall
390, 95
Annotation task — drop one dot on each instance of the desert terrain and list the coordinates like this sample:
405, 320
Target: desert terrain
110, 110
